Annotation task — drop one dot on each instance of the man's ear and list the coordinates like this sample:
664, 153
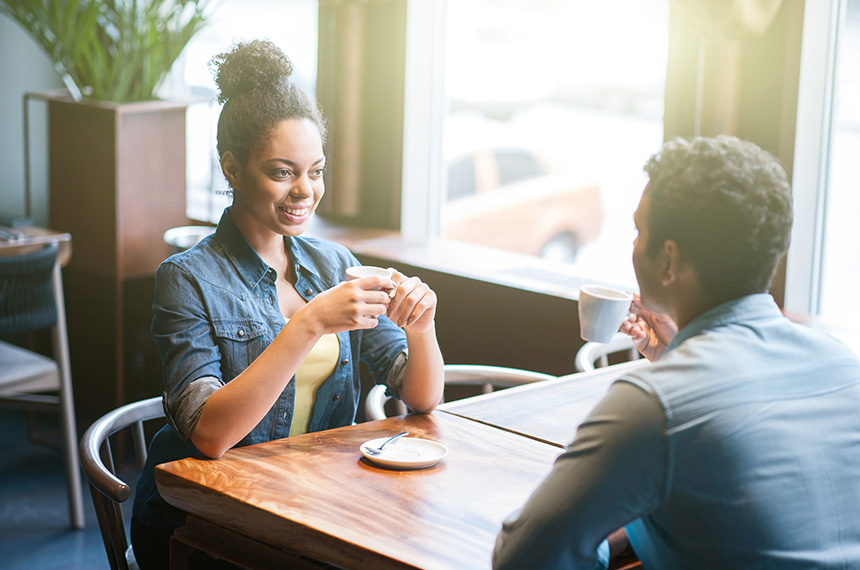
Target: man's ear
670, 262
231, 168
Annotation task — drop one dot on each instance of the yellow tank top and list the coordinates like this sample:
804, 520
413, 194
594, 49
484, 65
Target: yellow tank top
317, 366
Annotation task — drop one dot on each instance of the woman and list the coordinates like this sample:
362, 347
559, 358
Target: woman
259, 333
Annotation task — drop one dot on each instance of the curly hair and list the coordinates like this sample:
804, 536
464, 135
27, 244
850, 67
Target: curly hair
253, 79
727, 204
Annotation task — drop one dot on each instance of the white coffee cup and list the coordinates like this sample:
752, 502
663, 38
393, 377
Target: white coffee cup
359, 271
601, 312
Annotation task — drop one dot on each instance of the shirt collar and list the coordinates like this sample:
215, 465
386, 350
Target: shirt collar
301, 255
742, 309
251, 268
248, 264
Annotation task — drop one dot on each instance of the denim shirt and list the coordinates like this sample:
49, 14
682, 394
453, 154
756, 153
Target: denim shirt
215, 311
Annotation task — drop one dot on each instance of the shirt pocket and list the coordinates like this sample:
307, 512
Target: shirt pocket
240, 341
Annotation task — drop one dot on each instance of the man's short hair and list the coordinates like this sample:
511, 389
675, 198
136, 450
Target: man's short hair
727, 204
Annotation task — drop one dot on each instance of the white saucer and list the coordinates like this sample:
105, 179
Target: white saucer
406, 453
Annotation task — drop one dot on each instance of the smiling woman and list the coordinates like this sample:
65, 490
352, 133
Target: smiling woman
261, 336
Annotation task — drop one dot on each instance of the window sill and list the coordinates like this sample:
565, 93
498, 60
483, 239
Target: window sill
497, 267
459, 259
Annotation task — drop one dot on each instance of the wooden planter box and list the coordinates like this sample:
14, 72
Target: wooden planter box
117, 177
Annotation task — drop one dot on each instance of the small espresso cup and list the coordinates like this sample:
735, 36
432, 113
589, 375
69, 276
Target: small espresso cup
359, 271
601, 312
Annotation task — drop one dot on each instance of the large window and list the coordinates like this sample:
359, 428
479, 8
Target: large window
551, 110
822, 268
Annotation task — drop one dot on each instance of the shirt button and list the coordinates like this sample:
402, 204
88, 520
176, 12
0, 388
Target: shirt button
335, 398
241, 333
285, 416
344, 362
308, 291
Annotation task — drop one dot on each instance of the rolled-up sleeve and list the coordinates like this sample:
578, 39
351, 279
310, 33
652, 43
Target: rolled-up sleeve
611, 474
190, 356
385, 351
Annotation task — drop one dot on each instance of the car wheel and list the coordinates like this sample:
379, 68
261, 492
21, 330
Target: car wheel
562, 248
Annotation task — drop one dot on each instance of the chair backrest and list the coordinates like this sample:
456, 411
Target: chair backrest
27, 296
597, 354
108, 491
487, 377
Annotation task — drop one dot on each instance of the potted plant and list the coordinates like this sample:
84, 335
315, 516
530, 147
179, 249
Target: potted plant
116, 164
116, 51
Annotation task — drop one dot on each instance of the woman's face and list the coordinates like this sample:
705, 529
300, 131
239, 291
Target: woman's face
281, 185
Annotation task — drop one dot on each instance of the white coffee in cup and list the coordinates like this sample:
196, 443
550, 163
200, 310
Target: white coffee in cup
601, 312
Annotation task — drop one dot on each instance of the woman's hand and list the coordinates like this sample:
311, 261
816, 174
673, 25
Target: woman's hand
651, 332
350, 305
413, 303
413, 307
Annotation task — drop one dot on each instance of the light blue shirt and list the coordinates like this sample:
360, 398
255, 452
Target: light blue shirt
739, 449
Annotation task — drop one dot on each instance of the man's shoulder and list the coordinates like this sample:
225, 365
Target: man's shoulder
719, 369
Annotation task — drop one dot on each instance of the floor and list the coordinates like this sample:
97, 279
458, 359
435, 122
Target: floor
35, 531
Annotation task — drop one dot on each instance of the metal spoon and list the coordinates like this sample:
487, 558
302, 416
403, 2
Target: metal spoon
378, 450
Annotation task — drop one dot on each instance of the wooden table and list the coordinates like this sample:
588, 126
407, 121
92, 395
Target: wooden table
547, 411
31, 236
316, 495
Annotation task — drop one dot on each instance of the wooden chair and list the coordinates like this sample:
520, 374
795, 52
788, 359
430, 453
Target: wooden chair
108, 491
599, 354
487, 378
31, 300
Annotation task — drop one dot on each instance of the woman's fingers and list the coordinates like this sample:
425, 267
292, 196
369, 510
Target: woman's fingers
407, 295
351, 305
411, 301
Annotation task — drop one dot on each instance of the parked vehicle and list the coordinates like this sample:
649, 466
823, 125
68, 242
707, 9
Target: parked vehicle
512, 199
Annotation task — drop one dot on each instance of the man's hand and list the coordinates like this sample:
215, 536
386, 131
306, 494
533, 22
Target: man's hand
651, 332
618, 542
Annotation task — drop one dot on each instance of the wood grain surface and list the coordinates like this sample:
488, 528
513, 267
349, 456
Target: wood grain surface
317, 495
547, 411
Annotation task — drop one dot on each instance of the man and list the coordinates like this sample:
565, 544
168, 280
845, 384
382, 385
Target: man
739, 446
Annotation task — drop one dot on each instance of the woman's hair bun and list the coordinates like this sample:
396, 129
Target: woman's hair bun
247, 66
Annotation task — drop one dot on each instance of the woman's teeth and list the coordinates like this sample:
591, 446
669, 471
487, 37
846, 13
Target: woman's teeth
295, 211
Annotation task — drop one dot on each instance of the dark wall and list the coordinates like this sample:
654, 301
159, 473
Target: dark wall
485, 323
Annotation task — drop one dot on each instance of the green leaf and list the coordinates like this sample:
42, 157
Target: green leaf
120, 49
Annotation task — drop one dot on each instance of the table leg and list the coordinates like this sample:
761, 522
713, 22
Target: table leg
180, 551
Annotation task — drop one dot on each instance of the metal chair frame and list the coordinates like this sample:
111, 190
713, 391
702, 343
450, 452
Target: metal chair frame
596, 354
488, 377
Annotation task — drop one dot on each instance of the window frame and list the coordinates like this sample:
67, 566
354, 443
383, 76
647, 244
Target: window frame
812, 154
